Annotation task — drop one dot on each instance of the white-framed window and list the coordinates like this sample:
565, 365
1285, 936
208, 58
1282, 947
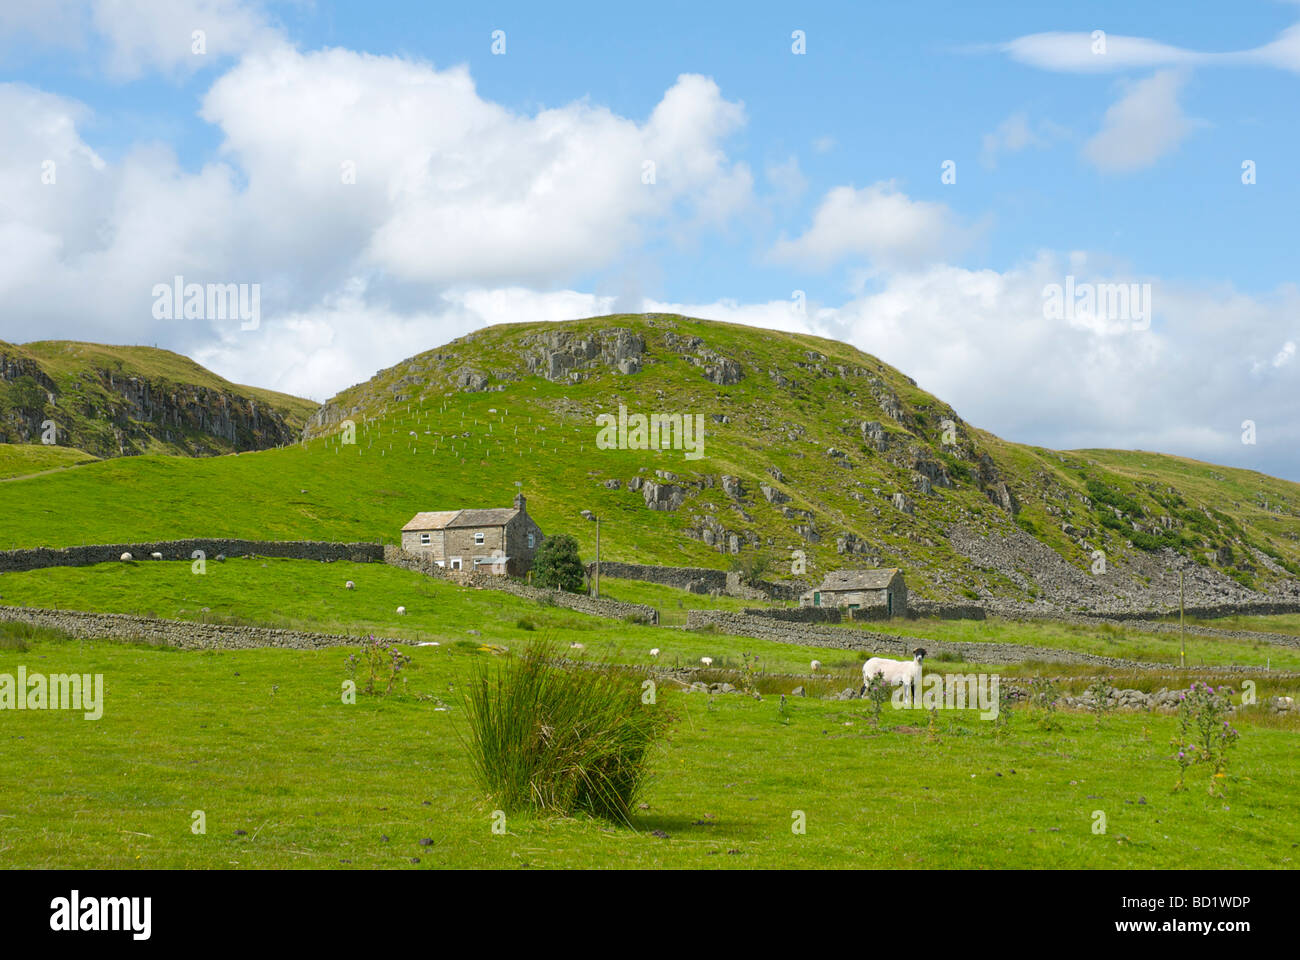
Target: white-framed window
478, 538
455, 563
532, 540
425, 538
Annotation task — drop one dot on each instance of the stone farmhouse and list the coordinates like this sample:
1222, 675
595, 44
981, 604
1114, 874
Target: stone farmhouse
500, 541
854, 589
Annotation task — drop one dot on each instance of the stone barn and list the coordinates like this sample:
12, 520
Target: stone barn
854, 589
500, 540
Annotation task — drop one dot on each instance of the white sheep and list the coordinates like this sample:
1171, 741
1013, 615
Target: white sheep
816, 665
707, 661
349, 585
576, 646
654, 651
401, 611
906, 673
126, 558
155, 555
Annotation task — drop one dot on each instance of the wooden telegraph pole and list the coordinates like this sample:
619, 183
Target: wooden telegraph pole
597, 582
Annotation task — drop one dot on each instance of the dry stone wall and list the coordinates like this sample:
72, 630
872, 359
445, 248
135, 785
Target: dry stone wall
36, 558
186, 634
842, 638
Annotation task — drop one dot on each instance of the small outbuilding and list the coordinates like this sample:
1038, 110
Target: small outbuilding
854, 589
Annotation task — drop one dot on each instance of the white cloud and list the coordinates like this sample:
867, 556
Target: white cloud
878, 223
454, 188
1017, 133
1080, 53
451, 191
1142, 126
159, 34
144, 35
787, 179
1065, 52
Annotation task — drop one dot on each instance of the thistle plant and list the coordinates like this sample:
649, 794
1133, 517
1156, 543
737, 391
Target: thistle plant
381, 664
878, 691
1043, 695
1101, 705
1205, 733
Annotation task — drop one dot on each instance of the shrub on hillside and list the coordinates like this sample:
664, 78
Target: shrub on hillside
752, 566
561, 739
557, 564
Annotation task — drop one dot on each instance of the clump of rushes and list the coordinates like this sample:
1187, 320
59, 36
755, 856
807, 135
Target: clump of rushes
561, 739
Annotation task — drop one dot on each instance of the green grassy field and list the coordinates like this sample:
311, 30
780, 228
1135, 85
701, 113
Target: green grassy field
1288, 623
261, 742
310, 595
1105, 640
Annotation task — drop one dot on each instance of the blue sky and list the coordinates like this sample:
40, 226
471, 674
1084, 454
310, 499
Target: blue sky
499, 187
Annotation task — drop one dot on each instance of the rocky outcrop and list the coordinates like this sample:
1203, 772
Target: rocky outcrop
662, 496
110, 414
561, 356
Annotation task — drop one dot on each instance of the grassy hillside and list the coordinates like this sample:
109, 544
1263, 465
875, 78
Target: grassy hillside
833, 433
118, 400
24, 459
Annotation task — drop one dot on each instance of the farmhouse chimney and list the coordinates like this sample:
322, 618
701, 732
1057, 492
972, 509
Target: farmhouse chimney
520, 502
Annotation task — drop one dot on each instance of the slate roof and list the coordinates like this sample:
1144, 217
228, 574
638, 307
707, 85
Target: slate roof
431, 520
495, 517
459, 519
859, 579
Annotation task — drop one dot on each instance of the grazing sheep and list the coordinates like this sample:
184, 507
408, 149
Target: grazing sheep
126, 558
707, 661
349, 585
576, 646
654, 651
905, 673
816, 665
156, 555
401, 611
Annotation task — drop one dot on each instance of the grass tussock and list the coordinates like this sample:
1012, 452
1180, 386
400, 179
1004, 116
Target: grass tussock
17, 635
559, 738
